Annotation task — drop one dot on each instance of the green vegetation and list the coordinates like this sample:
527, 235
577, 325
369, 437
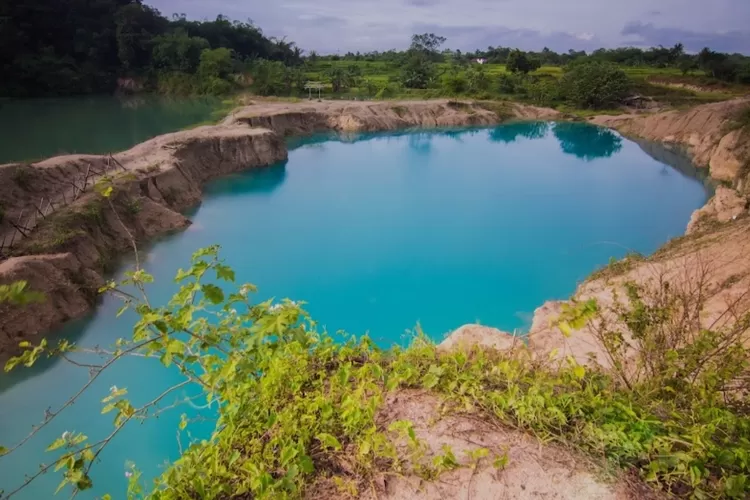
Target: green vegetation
63, 47
617, 267
131, 45
294, 405
594, 85
23, 176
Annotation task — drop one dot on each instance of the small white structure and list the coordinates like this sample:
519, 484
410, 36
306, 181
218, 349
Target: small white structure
310, 86
480, 61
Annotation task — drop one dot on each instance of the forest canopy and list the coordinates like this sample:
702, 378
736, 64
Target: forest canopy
63, 47
67, 47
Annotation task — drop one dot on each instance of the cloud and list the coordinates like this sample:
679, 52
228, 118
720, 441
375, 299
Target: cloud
422, 3
474, 37
650, 35
329, 26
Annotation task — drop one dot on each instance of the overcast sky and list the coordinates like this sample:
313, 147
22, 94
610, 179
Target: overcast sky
331, 26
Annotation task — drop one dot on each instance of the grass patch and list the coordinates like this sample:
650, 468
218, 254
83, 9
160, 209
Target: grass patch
23, 176
502, 109
132, 207
401, 111
617, 267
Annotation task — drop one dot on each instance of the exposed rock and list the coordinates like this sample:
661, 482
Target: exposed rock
69, 289
705, 131
725, 205
709, 134
165, 175
729, 156
717, 262
469, 336
366, 116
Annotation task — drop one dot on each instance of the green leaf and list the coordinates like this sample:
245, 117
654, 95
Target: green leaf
224, 272
501, 461
565, 328
213, 293
306, 464
430, 380
329, 441
288, 453
579, 371
56, 444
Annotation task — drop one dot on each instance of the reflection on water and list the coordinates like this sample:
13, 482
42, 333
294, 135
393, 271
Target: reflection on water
512, 131
587, 142
39, 128
263, 181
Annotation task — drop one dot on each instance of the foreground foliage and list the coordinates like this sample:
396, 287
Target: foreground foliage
295, 406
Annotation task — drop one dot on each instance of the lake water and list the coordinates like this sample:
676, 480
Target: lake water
377, 233
38, 128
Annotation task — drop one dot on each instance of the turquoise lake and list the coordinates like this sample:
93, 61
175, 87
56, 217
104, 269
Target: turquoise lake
31, 129
377, 232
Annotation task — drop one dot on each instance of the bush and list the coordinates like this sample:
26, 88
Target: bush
216, 63
594, 85
454, 82
215, 86
507, 84
544, 91
520, 62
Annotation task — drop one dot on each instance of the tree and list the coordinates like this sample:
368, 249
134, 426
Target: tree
428, 43
339, 79
417, 71
215, 63
177, 51
454, 81
477, 78
137, 26
268, 77
519, 62
594, 84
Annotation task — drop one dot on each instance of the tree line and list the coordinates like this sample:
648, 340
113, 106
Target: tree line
64, 47
733, 68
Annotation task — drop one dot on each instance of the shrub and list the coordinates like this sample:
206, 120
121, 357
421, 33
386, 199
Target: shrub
454, 82
594, 85
543, 92
507, 84
23, 176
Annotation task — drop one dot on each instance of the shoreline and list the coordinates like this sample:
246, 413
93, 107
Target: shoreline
165, 176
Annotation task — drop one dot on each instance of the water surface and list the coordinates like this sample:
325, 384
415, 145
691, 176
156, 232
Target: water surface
378, 232
33, 129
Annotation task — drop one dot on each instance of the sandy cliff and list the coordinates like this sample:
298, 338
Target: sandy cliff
705, 132
714, 256
68, 252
